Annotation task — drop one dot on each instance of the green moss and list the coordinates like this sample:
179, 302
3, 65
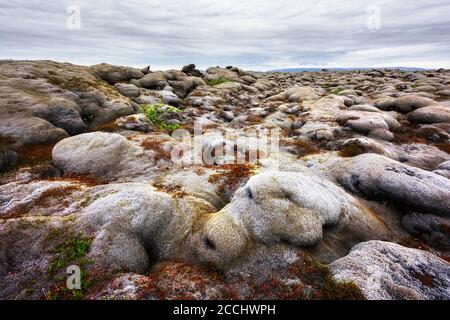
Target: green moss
157, 113
72, 250
215, 82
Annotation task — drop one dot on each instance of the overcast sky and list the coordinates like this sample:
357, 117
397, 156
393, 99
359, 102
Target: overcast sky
253, 34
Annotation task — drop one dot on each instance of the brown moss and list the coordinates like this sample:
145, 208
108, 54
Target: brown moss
31, 155
445, 228
411, 133
321, 279
175, 191
108, 127
301, 148
44, 200
58, 192
351, 150
86, 84
253, 119
443, 146
85, 179
310, 280
418, 243
229, 178
413, 243
131, 119
424, 278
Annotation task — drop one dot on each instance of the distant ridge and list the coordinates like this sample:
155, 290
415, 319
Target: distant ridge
346, 69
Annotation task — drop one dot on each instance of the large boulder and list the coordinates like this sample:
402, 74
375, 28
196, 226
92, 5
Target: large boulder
431, 228
63, 95
363, 145
99, 154
379, 177
113, 74
296, 94
135, 225
128, 90
31, 131
154, 80
388, 271
405, 104
183, 87
282, 206
215, 73
375, 124
431, 114
129, 222
420, 155
190, 70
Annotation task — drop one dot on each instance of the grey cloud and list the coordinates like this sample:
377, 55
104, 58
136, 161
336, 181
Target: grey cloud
253, 34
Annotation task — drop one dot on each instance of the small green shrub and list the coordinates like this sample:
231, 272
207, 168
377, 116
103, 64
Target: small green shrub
157, 114
215, 82
336, 90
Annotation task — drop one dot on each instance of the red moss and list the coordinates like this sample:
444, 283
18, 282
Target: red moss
308, 280
157, 147
94, 280
182, 281
35, 154
231, 175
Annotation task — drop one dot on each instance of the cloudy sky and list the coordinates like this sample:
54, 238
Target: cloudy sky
253, 34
